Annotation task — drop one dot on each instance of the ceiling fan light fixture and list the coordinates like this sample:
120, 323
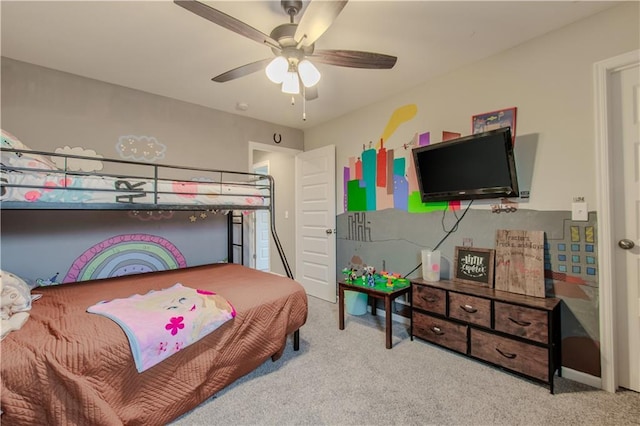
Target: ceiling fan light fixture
309, 74
291, 43
291, 83
277, 69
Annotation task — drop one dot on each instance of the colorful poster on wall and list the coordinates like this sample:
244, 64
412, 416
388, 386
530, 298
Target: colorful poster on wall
495, 120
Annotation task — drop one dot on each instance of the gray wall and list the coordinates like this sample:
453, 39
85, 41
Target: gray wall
550, 80
38, 244
48, 109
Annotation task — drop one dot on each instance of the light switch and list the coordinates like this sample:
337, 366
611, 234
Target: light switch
579, 211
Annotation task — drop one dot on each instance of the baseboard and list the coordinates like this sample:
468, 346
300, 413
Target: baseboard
580, 377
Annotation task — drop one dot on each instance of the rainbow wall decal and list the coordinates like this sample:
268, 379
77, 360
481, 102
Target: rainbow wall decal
125, 255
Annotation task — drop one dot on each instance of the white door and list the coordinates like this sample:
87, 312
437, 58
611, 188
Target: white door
261, 227
316, 222
625, 130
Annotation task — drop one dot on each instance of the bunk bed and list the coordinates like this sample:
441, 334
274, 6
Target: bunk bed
68, 366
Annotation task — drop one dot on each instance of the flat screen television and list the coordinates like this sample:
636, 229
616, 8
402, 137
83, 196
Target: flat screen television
468, 168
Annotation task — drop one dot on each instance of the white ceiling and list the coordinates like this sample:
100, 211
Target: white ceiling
159, 47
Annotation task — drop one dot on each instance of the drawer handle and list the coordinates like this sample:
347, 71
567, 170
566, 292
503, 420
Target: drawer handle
428, 299
469, 309
437, 331
506, 355
520, 323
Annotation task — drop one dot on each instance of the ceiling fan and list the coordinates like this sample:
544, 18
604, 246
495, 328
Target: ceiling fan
293, 44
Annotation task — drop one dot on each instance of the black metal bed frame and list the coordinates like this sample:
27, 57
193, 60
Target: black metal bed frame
153, 172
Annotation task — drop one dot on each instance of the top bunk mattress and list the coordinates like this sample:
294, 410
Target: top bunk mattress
55, 187
54, 180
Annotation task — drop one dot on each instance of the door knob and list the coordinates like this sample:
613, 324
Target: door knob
329, 231
626, 244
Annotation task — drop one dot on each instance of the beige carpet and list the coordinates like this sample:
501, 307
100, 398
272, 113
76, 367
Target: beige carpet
349, 378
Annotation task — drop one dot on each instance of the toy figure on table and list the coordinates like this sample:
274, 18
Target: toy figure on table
350, 275
390, 277
369, 276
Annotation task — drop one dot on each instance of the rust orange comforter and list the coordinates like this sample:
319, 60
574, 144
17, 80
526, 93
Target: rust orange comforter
67, 366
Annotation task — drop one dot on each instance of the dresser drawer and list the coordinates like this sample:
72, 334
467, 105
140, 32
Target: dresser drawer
429, 299
520, 321
475, 310
517, 356
442, 332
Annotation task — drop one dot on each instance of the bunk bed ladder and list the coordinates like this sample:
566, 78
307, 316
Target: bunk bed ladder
235, 221
274, 234
276, 240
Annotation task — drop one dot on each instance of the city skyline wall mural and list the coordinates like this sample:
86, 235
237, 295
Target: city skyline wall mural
382, 177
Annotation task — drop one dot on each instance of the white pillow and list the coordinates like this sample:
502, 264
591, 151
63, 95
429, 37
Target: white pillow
23, 159
15, 295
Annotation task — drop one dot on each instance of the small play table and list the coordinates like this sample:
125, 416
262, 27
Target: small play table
379, 291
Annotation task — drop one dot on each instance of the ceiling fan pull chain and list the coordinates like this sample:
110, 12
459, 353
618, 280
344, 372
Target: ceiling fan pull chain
304, 103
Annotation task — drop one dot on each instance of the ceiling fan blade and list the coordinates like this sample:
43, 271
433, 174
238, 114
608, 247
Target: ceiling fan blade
354, 59
311, 93
226, 21
242, 71
317, 19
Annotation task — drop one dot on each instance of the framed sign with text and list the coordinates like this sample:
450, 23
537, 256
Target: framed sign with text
520, 262
474, 265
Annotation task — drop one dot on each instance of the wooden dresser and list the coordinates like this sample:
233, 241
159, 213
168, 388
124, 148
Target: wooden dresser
517, 333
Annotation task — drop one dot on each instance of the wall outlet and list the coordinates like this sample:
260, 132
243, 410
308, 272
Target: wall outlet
579, 212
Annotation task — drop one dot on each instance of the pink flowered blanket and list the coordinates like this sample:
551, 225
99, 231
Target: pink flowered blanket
160, 323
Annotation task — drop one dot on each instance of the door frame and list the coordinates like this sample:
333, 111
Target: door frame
290, 152
606, 245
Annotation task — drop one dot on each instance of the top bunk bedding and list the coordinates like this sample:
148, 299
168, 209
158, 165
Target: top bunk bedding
47, 180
